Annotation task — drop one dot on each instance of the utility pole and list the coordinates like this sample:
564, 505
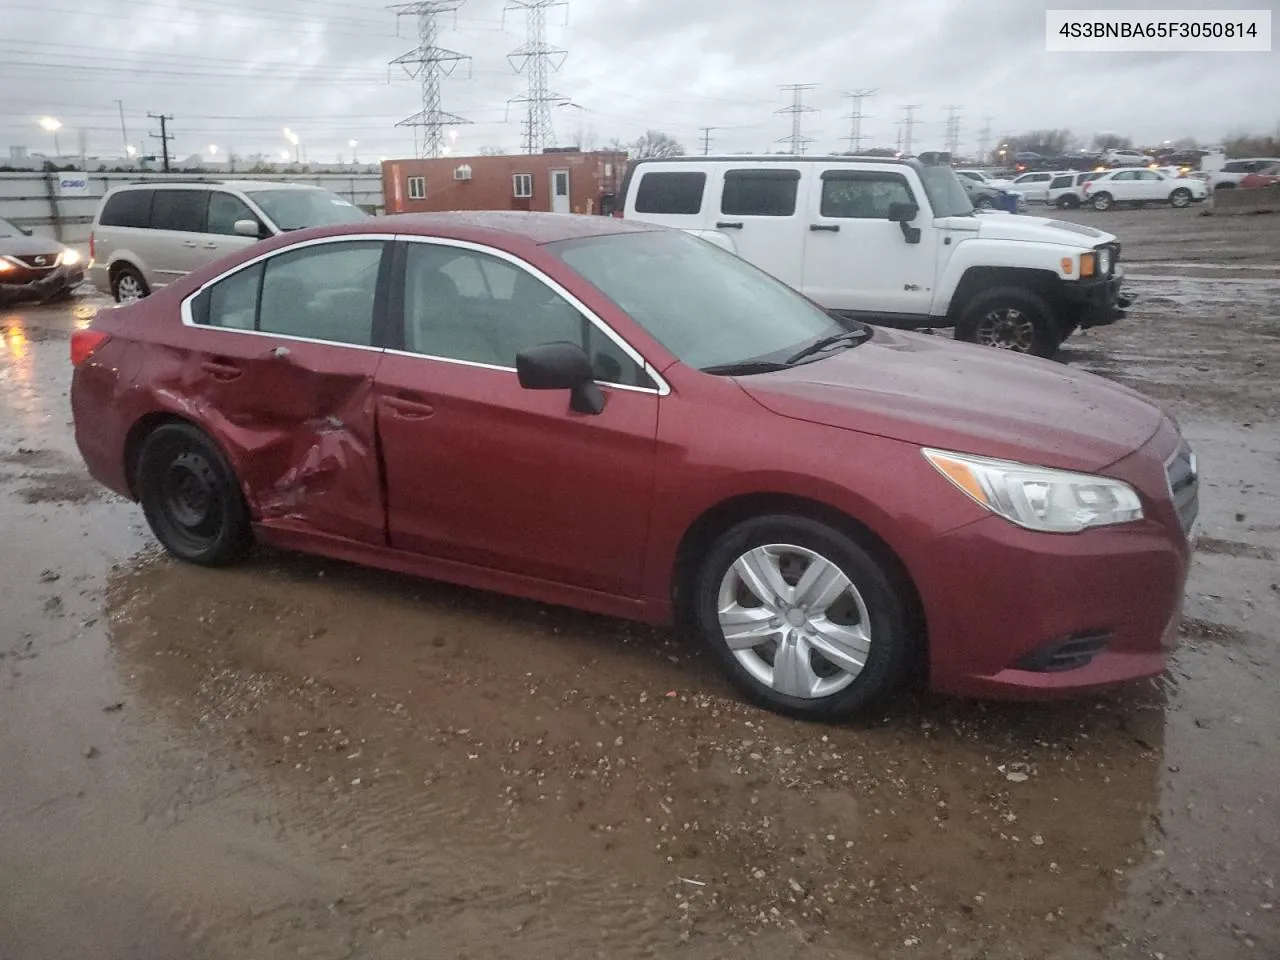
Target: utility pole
908, 124
953, 128
427, 63
855, 118
984, 137
706, 140
124, 134
537, 60
164, 136
797, 111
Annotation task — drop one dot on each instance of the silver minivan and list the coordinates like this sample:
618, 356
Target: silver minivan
148, 234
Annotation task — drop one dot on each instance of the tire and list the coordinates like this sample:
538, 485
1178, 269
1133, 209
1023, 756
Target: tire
982, 203
864, 629
127, 284
191, 498
1180, 198
1010, 318
1064, 203
1103, 201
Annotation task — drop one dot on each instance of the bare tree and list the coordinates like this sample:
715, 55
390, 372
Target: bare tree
1112, 141
655, 143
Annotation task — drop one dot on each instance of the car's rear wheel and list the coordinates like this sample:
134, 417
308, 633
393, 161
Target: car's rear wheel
127, 284
804, 620
191, 498
1065, 203
982, 203
1180, 197
1010, 318
1103, 201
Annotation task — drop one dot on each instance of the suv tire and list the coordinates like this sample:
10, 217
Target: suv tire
1010, 318
1180, 197
1103, 201
853, 612
127, 284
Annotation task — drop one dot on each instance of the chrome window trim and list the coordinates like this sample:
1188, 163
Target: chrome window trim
663, 389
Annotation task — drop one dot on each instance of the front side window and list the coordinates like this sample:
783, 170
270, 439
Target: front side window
671, 192
224, 210
466, 305
705, 305
863, 196
179, 210
300, 207
760, 193
417, 188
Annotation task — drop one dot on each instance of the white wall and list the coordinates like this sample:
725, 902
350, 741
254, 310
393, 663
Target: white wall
30, 200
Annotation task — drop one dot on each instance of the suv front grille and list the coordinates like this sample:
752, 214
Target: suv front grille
1181, 470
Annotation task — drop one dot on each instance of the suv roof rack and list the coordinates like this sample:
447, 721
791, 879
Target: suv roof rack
184, 180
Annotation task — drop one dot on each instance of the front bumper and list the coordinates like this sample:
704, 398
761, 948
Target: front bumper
1002, 602
1099, 301
46, 287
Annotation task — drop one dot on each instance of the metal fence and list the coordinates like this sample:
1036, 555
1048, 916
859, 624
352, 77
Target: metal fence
37, 200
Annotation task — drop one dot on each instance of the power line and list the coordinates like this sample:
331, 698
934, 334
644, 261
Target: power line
427, 63
908, 126
953, 128
797, 110
855, 118
164, 136
706, 139
537, 60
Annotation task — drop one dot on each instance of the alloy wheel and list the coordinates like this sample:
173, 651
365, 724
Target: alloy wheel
128, 288
1006, 329
794, 620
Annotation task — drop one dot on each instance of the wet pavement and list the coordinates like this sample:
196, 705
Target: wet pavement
297, 757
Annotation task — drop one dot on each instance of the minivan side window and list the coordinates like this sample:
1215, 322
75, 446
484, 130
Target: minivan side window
181, 210
760, 193
862, 194
224, 210
127, 208
673, 192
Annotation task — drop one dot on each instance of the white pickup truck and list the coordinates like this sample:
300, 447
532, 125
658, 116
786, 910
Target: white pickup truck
893, 242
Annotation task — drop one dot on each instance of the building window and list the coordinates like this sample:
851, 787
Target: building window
417, 188
522, 185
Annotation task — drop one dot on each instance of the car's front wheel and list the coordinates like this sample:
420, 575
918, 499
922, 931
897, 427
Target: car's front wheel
1010, 318
804, 620
1180, 197
1103, 201
191, 498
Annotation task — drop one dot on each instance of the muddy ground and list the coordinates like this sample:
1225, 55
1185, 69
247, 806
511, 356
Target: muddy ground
298, 758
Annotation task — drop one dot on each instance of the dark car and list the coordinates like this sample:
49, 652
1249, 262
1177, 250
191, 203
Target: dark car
985, 197
35, 268
624, 418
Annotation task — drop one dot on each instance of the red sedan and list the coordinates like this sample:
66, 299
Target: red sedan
623, 418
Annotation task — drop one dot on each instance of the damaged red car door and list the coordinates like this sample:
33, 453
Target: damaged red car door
284, 358
483, 472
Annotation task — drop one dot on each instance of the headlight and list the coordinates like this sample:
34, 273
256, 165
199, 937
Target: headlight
5, 265
1104, 261
1053, 501
69, 258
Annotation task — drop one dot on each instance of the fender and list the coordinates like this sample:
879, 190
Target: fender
1000, 254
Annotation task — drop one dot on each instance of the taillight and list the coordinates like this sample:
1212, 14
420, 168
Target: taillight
90, 244
84, 344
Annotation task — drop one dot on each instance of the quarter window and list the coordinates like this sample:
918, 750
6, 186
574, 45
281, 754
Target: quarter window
863, 195
417, 188
465, 305
522, 186
760, 193
232, 303
325, 292
179, 210
675, 192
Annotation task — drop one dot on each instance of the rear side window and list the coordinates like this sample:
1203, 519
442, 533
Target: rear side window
325, 292
1059, 182
760, 193
675, 192
127, 208
180, 210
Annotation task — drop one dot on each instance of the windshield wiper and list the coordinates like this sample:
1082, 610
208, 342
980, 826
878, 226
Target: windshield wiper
851, 337
744, 368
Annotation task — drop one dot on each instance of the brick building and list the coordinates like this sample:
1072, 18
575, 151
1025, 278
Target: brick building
556, 181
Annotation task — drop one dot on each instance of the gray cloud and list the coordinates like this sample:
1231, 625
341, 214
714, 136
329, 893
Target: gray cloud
234, 76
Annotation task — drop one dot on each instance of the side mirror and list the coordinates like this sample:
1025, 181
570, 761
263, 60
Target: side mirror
248, 228
25, 231
900, 212
561, 366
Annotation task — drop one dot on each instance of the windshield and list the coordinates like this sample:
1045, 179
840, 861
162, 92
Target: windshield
705, 305
947, 197
310, 207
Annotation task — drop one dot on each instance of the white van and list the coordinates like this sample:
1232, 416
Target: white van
894, 242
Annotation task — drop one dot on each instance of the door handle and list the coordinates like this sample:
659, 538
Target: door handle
220, 370
729, 225
828, 227
408, 409
189, 243
211, 246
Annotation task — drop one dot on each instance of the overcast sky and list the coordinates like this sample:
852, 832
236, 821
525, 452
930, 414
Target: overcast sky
234, 77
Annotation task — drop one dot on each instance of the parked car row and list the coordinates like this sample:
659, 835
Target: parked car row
35, 268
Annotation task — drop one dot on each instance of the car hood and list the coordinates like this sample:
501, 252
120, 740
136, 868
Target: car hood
24, 246
929, 391
1043, 230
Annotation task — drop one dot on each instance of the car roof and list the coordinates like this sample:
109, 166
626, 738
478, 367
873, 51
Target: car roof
500, 228
780, 158
248, 186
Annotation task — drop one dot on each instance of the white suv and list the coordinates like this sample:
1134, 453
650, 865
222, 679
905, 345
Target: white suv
1140, 185
893, 242
148, 234
1066, 189
1233, 171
